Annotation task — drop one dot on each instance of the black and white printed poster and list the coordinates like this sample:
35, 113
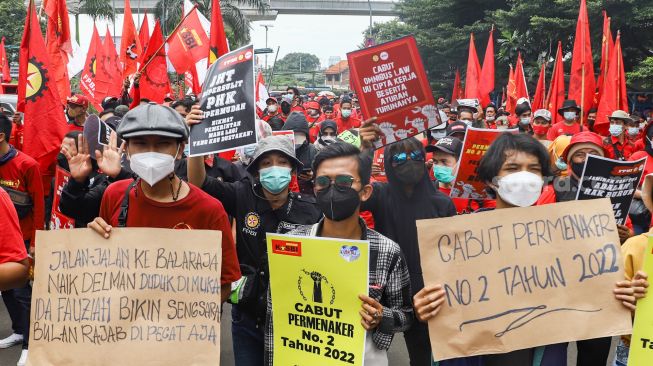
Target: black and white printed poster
228, 103
614, 179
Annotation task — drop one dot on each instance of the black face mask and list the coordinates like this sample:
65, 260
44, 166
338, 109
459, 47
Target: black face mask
410, 172
338, 204
577, 168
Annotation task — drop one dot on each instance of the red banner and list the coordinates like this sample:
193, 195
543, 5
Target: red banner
59, 220
391, 85
467, 183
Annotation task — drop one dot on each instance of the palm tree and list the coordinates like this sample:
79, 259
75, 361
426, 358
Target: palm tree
97, 9
233, 17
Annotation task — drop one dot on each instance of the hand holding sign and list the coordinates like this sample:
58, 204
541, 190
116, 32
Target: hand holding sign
369, 132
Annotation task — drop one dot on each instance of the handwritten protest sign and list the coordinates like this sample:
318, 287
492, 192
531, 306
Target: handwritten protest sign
228, 104
641, 343
140, 296
467, 183
391, 85
57, 219
614, 179
523, 277
315, 283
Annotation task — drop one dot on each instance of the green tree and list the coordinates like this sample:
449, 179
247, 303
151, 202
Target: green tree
643, 73
236, 23
12, 20
96, 9
298, 61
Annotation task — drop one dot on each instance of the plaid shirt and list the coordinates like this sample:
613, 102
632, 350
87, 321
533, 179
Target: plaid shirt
389, 284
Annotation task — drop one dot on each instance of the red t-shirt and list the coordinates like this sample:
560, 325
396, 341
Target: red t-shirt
648, 168
198, 211
22, 173
345, 124
12, 246
617, 150
17, 136
561, 128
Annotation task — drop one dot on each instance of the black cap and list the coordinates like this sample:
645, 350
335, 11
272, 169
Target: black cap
449, 145
456, 127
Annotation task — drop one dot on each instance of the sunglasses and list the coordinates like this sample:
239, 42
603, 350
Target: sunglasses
402, 157
341, 181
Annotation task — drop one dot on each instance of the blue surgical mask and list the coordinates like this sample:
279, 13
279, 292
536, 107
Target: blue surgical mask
560, 164
346, 113
443, 174
633, 131
525, 121
569, 116
187, 150
275, 178
616, 130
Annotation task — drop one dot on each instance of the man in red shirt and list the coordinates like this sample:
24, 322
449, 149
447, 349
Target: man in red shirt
345, 120
155, 136
272, 109
76, 112
314, 118
570, 125
617, 145
20, 177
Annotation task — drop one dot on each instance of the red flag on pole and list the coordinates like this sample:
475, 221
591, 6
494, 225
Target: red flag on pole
582, 84
111, 65
556, 95
607, 47
144, 36
614, 91
154, 83
4, 63
89, 83
458, 92
540, 90
511, 92
521, 89
130, 44
188, 44
38, 97
218, 43
58, 44
473, 72
486, 83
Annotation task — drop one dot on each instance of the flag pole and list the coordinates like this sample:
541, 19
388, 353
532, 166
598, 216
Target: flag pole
167, 38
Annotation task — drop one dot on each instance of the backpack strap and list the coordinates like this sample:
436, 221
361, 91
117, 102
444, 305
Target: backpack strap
124, 206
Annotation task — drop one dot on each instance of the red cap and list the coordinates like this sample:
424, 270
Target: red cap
313, 105
78, 99
584, 137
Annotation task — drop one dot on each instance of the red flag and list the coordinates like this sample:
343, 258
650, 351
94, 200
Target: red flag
614, 92
473, 72
458, 92
582, 84
38, 98
540, 90
486, 82
89, 83
607, 47
58, 44
130, 44
188, 44
144, 36
556, 95
521, 90
218, 44
154, 83
511, 92
4, 63
111, 65
192, 80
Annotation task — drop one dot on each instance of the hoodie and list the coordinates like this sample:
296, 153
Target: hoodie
320, 143
305, 152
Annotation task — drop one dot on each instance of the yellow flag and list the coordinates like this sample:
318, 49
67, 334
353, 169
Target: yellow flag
641, 343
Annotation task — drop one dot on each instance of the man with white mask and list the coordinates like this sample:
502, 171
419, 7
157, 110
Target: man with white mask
155, 136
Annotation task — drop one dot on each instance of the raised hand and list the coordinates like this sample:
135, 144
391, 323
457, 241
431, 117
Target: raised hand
195, 115
110, 158
79, 162
368, 133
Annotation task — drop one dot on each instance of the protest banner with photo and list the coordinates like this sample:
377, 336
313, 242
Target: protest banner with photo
391, 85
614, 179
126, 299
229, 105
314, 284
517, 278
57, 219
467, 183
641, 342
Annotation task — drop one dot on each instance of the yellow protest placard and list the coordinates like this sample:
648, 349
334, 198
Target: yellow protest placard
143, 297
641, 343
315, 283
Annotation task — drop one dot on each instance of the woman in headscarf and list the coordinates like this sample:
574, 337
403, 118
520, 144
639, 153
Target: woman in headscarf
327, 134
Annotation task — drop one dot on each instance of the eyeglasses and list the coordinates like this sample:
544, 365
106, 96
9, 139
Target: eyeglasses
402, 157
341, 181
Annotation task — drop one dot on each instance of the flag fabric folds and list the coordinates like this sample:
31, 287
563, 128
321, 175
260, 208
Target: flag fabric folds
486, 82
4, 62
540, 90
154, 83
58, 44
473, 72
556, 95
188, 44
89, 83
144, 36
458, 92
130, 44
607, 48
614, 92
218, 42
582, 84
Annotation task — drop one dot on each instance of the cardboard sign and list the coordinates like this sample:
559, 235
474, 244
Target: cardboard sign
523, 277
476, 143
391, 85
141, 297
641, 348
57, 219
229, 105
315, 283
614, 179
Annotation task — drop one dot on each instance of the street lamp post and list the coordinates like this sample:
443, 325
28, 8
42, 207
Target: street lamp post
266, 26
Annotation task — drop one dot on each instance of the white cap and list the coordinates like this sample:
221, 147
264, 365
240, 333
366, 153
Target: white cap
543, 113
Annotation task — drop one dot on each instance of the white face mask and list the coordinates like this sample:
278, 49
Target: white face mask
489, 118
468, 122
525, 121
569, 116
152, 166
272, 108
520, 189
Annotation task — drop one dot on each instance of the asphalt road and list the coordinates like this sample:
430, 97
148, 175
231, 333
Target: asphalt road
397, 356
